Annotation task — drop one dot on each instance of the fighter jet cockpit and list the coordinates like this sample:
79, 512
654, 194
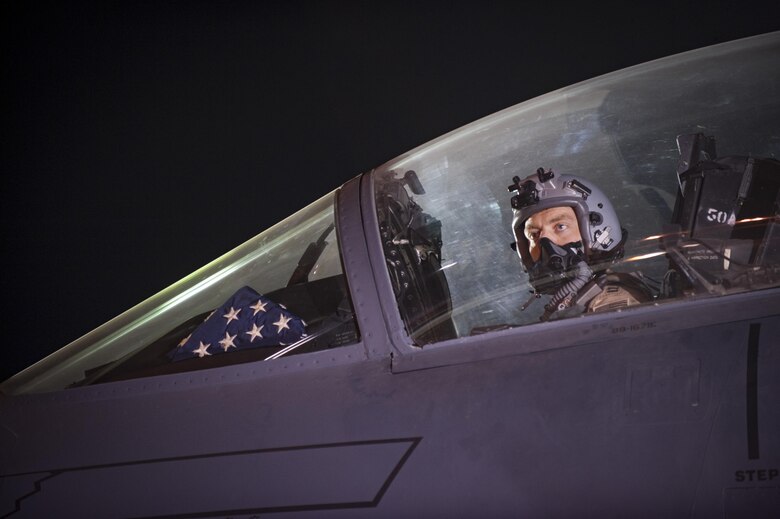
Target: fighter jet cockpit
668, 173
650, 185
281, 293
568, 308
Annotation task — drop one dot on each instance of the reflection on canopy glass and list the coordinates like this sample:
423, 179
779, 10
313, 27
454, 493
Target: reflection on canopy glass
281, 293
684, 149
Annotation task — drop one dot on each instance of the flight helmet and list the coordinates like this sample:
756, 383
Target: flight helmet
602, 237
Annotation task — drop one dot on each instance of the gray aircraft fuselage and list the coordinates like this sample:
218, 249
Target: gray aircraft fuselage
665, 409
660, 411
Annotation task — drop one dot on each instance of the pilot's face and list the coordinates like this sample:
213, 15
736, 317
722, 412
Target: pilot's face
558, 224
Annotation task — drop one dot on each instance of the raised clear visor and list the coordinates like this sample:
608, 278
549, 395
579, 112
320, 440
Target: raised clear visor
280, 293
655, 183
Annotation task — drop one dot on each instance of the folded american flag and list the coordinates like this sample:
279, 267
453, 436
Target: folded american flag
246, 320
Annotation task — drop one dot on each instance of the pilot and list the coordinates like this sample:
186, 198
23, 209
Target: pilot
567, 235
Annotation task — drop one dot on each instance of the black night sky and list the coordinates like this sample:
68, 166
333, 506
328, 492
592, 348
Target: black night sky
141, 140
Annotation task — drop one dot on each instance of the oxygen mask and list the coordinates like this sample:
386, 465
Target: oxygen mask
556, 265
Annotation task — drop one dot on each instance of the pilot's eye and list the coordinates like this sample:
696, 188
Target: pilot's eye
560, 227
532, 235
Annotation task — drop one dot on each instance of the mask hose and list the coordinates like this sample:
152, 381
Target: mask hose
565, 295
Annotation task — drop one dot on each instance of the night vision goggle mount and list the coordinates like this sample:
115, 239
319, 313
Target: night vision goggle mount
526, 191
